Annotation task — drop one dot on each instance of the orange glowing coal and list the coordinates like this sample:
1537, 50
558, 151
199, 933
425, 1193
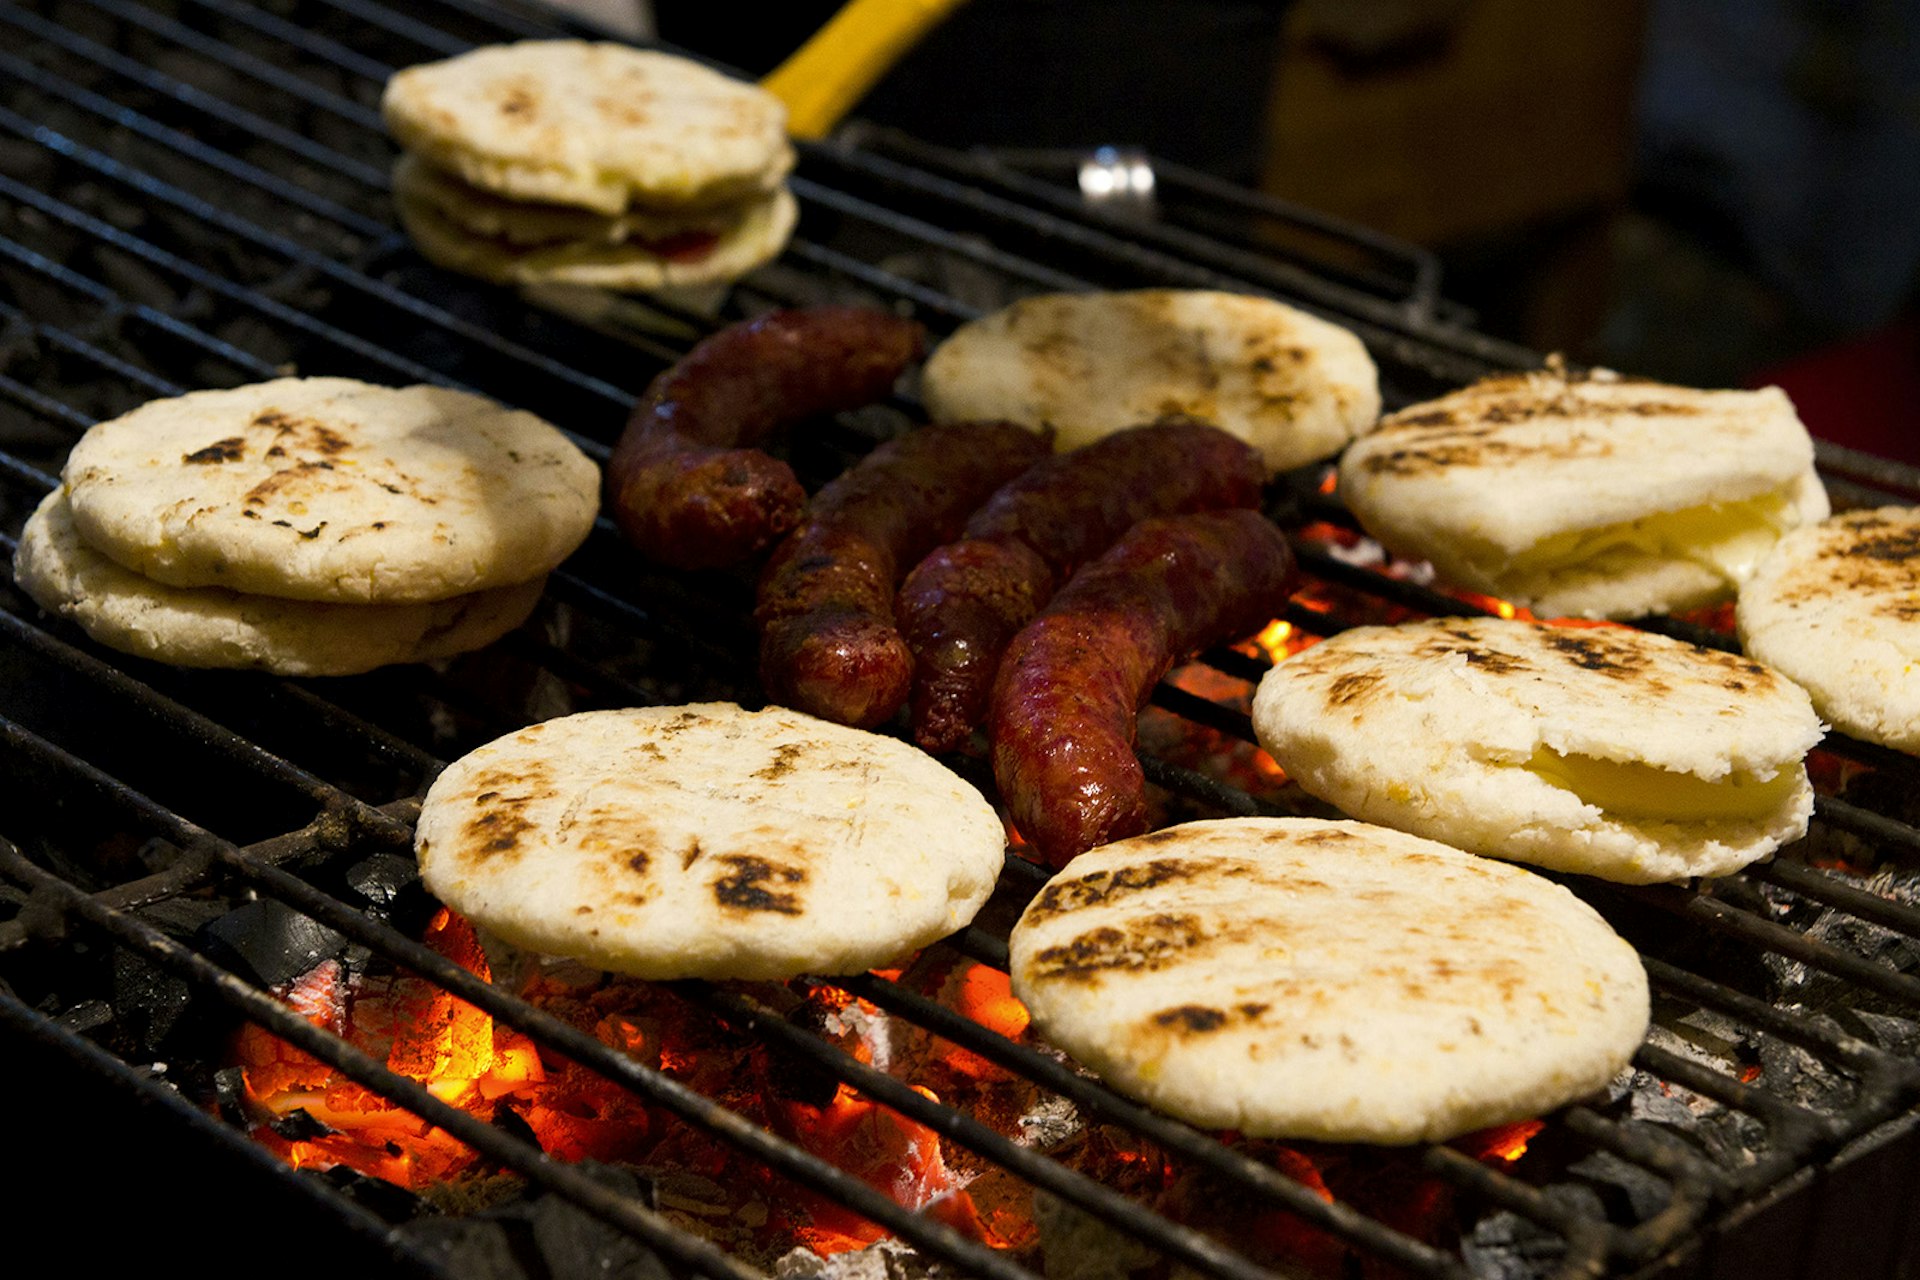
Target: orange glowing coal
466, 1060
421, 1032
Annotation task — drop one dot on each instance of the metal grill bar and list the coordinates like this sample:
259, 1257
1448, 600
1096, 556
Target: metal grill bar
882, 198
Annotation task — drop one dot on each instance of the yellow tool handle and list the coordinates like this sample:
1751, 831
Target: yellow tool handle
831, 72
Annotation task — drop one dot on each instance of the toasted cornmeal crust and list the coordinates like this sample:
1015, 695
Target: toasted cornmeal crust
1428, 727
753, 234
1474, 479
214, 627
1836, 607
1292, 978
1088, 364
596, 125
708, 841
332, 489
528, 224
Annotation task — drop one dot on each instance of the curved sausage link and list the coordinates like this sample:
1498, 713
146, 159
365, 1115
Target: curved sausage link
684, 483
962, 604
828, 644
1064, 704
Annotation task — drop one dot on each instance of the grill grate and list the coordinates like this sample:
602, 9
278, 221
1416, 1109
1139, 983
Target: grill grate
157, 235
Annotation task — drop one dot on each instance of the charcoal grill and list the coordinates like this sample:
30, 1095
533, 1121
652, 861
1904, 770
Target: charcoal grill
195, 194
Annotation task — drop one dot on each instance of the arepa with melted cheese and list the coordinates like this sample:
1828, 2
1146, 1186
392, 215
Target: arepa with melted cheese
1587, 494
1603, 750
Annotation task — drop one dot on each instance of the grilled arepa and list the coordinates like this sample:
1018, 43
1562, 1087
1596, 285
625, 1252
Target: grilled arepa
1587, 494
1291, 978
1603, 750
332, 489
1836, 606
214, 627
707, 841
1085, 364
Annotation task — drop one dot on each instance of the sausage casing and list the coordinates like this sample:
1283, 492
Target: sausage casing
828, 643
961, 605
685, 484
1073, 679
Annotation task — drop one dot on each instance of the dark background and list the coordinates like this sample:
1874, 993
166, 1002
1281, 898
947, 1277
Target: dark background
1715, 192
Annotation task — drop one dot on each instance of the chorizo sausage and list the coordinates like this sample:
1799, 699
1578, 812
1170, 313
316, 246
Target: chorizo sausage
685, 484
1072, 681
828, 643
964, 602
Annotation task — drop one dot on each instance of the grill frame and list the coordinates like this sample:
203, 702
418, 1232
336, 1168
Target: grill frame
888, 185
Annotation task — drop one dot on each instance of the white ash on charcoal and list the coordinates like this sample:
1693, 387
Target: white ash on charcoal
1798, 981
541, 1237
1727, 1137
1506, 1246
1078, 1246
887, 1259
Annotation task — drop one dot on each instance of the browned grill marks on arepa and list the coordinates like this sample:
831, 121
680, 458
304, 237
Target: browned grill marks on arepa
1104, 887
753, 885
1152, 942
785, 757
231, 449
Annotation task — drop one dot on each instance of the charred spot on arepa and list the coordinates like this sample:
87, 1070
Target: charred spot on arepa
1353, 687
756, 884
496, 832
1195, 1018
1102, 887
231, 449
785, 757
1152, 942
1592, 651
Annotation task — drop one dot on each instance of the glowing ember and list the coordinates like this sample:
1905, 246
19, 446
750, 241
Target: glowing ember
1507, 1142
422, 1032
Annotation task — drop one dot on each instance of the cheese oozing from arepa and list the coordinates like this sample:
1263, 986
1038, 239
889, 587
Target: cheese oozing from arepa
1292, 978
1603, 750
1587, 495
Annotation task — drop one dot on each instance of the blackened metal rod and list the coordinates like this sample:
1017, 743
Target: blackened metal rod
610, 1207
1094, 1198
1739, 923
107, 299
1835, 892
267, 74
185, 722
191, 147
189, 96
1337, 1219
173, 196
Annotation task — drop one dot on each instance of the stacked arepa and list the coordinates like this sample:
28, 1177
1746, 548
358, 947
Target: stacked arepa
308, 526
573, 162
1585, 493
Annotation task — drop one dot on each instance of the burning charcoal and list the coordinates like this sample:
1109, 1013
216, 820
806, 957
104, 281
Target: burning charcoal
540, 1238
1078, 1246
150, 1001
883, 1260
270, 942
299, 1126
230, 1093
382, 878
376, 1195
1506, 1246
